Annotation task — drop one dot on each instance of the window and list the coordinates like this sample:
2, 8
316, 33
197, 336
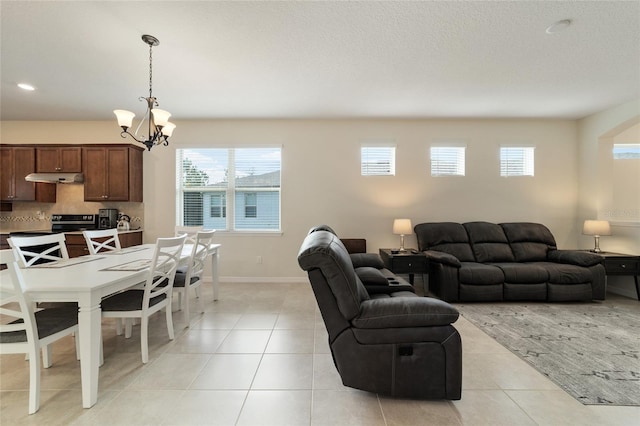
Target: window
447, 160
250, 204
626, 151
229, 188
218, 205
516, 160
377, 160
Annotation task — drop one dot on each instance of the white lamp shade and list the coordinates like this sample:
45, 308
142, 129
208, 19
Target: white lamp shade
596, 227
167, 130
160, 117
125, 118
402, 227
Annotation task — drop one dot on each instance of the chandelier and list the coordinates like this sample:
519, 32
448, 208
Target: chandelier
160, 129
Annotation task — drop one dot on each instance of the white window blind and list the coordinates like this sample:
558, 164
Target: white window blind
229, 188
378, 160
626, 151
516, 160
447, 160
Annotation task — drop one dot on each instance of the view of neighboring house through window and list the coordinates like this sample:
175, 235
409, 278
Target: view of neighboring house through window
516, 160
377, 160
447, 160
626, 151
229, 188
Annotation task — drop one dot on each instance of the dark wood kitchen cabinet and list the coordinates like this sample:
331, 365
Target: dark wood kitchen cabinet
112, 173
62, 159
77, 245
16, 162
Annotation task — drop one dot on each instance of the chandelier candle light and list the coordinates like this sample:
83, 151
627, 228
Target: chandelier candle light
402, 227
160, 129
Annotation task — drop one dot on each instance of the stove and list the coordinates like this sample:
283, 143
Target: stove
73, 222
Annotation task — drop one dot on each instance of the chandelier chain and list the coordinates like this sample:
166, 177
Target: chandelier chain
150, 70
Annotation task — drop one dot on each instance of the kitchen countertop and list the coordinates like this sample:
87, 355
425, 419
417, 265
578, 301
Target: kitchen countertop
7, 231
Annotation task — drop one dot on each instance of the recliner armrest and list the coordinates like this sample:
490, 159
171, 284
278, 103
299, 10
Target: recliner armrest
574, 257
372, 260
396, 312
442, 257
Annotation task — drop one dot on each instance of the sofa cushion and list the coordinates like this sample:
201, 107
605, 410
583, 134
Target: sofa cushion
488, 242
523, 273
405, 312
567, 274
448, 237
480, 274
366, 259
529, 242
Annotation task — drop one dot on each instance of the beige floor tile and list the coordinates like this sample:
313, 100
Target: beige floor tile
399, 412
277, 408
245, 341
295, 321
325, 374
210, 407
228, 371
171, 371
291, 342
256, 322
216, 320
349, 407
199, 341
284, 371
490, 407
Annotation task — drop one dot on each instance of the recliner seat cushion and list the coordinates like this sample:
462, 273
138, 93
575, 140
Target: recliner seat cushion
480, 274
566, 274
523, 273
371, 276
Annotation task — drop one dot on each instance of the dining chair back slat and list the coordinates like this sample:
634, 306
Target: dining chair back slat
102, 240
39, 249
191, 231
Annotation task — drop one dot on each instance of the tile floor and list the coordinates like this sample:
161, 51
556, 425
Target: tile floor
259, 356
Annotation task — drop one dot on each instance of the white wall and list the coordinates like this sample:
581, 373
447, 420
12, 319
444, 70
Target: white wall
596, 185
321, 180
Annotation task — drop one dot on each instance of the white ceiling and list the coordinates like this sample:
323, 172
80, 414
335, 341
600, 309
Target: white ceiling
319, 59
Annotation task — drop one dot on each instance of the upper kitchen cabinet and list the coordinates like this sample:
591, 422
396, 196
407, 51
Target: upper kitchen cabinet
16, 162
112, 173
63, 159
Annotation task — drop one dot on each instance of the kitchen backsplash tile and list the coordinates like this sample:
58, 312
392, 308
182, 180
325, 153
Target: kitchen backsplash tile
69, 200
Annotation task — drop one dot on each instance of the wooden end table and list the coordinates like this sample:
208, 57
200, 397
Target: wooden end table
622, 264
407, 262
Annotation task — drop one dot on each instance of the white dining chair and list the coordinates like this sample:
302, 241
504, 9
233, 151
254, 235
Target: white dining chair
191, 278
102, 240
30, 331
191, 232
39, 249
156, 295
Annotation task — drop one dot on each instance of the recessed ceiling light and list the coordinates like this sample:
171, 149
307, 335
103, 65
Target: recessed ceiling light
559, 26
25, 86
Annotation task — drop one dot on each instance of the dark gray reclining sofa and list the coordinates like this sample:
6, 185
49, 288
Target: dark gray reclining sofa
393, 343
482, 261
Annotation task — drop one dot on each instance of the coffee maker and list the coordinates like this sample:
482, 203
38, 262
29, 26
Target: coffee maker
107, 218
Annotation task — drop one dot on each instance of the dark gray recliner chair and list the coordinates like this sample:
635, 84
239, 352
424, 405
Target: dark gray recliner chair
396, 344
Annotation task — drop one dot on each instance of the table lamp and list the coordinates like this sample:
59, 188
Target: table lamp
402, 227
596, 228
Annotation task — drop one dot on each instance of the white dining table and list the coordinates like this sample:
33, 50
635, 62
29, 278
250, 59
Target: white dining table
87, 280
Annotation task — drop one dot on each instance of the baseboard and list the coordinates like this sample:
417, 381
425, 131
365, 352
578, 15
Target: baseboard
266, 280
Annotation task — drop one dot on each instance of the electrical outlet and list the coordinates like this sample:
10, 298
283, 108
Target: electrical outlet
259, 259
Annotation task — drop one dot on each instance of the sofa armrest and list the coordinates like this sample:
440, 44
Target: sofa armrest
372, 260
442, 257
574, 257
398, 312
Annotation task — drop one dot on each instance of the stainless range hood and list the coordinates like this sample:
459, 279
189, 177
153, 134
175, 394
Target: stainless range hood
55, 177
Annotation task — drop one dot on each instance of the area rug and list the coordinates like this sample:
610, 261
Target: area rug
591, 350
